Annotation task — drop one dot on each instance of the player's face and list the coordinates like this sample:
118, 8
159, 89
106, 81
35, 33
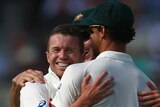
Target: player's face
63, 51
89, 50
96, 39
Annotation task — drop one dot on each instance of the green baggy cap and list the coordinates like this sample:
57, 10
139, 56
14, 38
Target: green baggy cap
112, 14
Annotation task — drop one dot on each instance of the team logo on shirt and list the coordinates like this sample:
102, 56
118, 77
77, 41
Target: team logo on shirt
42, 103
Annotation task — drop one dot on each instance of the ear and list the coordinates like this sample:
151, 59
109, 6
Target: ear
102, 32
47, 56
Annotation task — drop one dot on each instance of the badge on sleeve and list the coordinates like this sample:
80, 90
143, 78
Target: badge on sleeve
42, 103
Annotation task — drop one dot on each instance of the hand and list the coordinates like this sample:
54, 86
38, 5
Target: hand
19, 81
94, 92
28, 76
149, 98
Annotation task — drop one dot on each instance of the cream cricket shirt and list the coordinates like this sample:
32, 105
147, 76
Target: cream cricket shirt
38, 95
128, 80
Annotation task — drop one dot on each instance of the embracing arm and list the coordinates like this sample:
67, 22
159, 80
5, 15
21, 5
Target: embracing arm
34, 95
14, 95
19, 81
92, 93
149, 98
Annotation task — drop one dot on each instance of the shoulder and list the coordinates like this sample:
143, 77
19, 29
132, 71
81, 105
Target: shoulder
33, 95
75, 72
76, 69
34, 87
78, 66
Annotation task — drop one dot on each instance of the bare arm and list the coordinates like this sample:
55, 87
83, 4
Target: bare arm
14, 95
19, 81
150, 98
94, 92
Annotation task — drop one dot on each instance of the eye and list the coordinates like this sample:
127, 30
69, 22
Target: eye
55, 50
70, 50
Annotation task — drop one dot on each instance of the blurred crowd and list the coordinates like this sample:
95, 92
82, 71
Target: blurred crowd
25, 26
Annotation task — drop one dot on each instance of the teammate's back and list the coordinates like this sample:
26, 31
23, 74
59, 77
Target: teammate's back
128, 79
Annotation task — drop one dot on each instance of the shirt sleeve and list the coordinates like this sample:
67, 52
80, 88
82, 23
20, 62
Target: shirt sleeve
34, 95
70, 88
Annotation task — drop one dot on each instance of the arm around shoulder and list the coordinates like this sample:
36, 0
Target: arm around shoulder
14, 95
34, 94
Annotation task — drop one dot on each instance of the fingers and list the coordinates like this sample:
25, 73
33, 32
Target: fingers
100, 78
97, 81
151, 102
28, 76
22, 83
107, 92
106, 83
145, 93
157, 105
147, 98
33, 76
106, 87
86, 80
97, 90
103, 88
151, 86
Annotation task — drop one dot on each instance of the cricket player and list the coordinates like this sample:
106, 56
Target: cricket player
111, 28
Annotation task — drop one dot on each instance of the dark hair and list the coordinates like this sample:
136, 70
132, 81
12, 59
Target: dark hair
117, 35
68, 30
121, 36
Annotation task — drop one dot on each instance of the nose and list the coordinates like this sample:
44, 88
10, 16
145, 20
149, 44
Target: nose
63, 54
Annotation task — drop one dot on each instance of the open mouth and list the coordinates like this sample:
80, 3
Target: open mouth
63, 65
86, 51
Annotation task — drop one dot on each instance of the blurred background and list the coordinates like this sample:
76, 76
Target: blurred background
25, 26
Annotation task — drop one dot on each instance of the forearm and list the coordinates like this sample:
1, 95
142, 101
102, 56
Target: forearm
14, 96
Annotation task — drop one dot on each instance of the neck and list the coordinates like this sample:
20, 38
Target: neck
112, 46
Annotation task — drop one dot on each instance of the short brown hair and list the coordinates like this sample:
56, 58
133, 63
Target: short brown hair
68, 29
